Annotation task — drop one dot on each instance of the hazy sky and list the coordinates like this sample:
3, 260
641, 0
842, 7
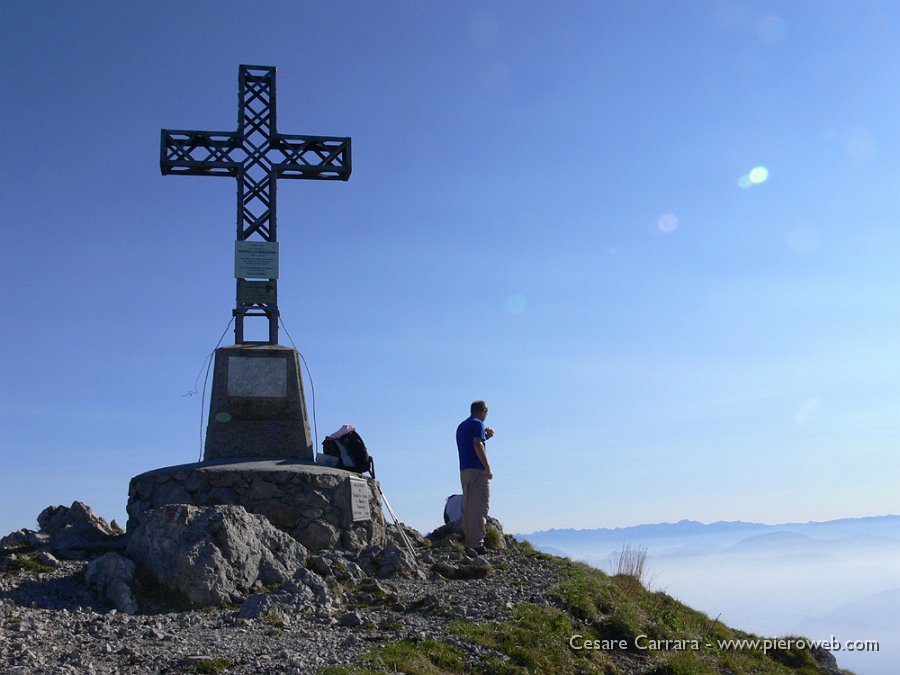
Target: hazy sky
660, 238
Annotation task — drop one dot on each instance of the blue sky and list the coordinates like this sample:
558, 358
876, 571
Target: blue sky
546, 211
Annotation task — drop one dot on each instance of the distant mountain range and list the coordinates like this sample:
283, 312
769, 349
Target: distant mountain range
671, 539
888, 522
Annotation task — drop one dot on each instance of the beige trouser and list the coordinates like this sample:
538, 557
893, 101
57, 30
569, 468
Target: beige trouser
476, 500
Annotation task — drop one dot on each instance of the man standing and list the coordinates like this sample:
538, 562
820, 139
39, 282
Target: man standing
474, 474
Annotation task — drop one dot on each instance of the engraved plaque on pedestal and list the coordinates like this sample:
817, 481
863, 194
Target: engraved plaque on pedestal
257, 376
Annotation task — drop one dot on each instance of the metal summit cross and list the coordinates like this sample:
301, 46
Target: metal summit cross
257, 155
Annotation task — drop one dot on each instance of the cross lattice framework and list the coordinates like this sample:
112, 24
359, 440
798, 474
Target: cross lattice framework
257, 155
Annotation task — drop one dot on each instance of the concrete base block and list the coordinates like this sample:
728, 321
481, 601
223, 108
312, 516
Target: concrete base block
257, 407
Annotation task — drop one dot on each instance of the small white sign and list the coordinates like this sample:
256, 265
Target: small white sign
359, 499
256, 259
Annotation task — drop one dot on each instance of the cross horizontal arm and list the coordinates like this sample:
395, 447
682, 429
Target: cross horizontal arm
312, 157
200, 153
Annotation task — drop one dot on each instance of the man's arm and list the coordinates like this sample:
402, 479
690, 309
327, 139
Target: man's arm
481, 451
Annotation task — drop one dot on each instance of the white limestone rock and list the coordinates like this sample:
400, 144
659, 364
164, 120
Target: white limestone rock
307, 594
212, 555
74, 528
112, 577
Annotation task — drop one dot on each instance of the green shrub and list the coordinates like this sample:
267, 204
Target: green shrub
684, 663
212, 666
535, 640
632, 562
274, 620
427, 657
493, 539
25, 562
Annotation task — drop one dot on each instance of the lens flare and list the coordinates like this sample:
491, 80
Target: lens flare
667, 223
516, 304
223, 417
756, 176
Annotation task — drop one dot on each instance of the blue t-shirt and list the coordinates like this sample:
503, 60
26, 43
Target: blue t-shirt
465, 432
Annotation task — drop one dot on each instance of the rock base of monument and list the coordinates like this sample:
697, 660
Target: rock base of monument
312, 503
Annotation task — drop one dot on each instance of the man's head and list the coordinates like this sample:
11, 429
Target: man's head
478, 409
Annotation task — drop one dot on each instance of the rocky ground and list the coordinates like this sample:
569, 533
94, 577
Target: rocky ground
217, 589
51, 621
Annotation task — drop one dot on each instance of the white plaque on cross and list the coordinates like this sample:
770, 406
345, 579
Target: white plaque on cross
256, 259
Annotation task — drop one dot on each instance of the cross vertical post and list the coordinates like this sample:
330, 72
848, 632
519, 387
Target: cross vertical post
257, 156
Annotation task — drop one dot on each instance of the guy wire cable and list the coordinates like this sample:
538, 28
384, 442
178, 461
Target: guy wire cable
208, 362
312, 386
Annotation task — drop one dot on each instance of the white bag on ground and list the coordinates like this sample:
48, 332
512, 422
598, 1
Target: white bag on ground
453, 509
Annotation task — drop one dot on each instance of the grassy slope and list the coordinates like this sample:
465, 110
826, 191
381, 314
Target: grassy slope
536, 639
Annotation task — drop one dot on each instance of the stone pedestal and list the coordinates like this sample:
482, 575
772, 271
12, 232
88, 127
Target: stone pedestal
319, 506
257, 407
